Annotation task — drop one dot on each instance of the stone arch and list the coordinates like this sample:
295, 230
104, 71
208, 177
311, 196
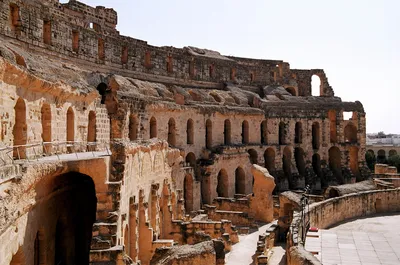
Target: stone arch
208, 134
133, 127
264, 132
188, 192
316, 85
70, 125
240, 181
353, 157
18, 258
39, 249
153, 128
316, 135
298, 133
20, 130
300, 162
269, 160
350, 133
291, 90
190, 132
371, 152
227, 132
91, 137
191, 159
245, 132
287, 163
172, 132
381, 158
335, 163
102, 88
253, 156
282, 133
223, 184
316, 164
46, 128
392, 152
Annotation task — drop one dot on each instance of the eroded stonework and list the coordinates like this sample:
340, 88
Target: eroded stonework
161, 146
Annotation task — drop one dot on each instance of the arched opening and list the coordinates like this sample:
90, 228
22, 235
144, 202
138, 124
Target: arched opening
15, 19
240, 181
354, 160
282, 133
208, 134
332, 122
91, 137
253, 156
316, 164
171, 132
102, 88
263, 131
269, 160
287, 164
188, 192
190, 132
153, 128
291, 91
18, 258
75, 205
350, 134
133, 127
245, 132
191, 160
39, 249
392, 153
20, 130
127, 241
300, 163
335, 163
381, 158
316, 86
70, 125
46, 128
227, 132
316, 134
298, 133
223, 184
333, 193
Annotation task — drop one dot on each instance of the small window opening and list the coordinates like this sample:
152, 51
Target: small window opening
47, 32
75, 41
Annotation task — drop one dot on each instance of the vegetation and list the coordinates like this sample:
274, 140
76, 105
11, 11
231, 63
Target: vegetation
394, 161
370, 158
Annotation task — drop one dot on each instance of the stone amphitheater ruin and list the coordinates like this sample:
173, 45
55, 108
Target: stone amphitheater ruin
113, 151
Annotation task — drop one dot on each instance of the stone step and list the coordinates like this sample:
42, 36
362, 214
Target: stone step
104, 216
111, 256
105, 232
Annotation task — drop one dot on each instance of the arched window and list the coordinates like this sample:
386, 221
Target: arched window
245, 132
70, 125
208, 134
353, 156
282, 133
46, 128
223, 184
264, 132
300, 163
287, 164
350, 133
133, 127
20, 130
240, 181
253, 156
315, 135
332, 122
298, 134
153, 128
188, 192
316, 164
269, 159
392, 153
381, 158
316, 86
335, 163
190, 132
227, 132
171, 132
91, 137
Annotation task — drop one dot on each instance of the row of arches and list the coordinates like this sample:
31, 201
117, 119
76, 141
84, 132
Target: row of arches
20, 129
223, 182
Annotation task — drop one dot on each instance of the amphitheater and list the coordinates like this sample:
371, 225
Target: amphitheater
113, 151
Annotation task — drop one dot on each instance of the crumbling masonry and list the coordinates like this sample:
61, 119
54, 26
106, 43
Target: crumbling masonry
111, 148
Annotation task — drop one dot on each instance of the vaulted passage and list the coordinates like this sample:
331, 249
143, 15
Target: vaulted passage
269, 159
20, 130
46, 128
335, 163
227, 132
240, 181
223, 184
171, 132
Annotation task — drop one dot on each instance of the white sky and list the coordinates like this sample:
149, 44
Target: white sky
356, 42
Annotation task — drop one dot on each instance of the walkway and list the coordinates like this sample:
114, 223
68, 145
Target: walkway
242, 253
367, 241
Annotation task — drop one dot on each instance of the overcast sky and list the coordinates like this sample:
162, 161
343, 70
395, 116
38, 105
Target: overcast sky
356, 42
